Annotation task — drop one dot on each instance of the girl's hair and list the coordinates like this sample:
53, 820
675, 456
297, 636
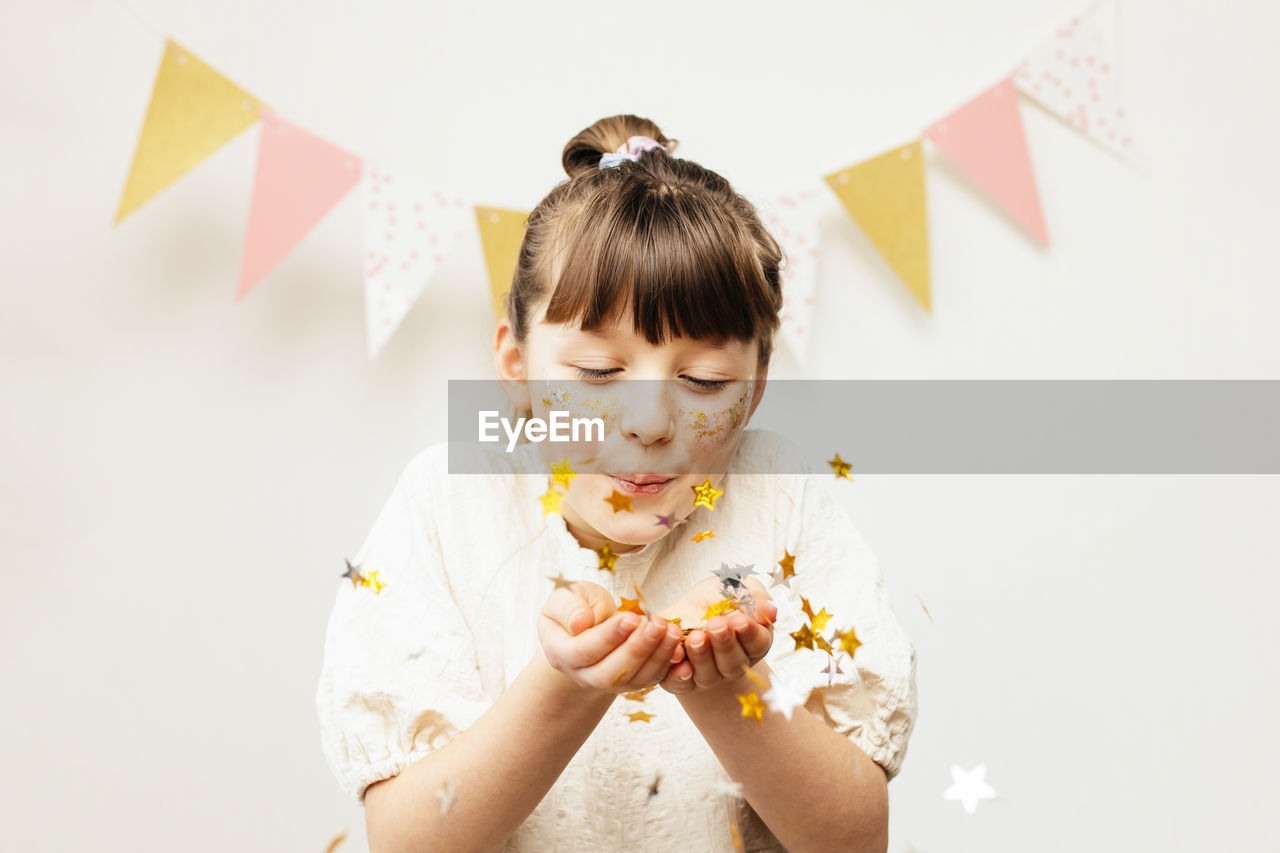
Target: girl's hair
665, 235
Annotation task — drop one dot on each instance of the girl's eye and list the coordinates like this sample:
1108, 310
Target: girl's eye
595, 373
708, 384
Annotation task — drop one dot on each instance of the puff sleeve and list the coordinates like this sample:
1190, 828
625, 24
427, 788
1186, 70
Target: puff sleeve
873, 702
400, 676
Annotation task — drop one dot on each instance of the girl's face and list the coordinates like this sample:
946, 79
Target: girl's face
673, 417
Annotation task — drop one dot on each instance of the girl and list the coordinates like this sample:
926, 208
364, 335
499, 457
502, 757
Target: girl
490, 670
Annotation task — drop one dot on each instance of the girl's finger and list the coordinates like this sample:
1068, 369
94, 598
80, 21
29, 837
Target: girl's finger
659, 660
579, 606
729, 655
620, 665
593, 645
756, 640
698, 647
679, 678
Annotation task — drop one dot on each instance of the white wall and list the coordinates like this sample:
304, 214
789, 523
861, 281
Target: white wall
183, 474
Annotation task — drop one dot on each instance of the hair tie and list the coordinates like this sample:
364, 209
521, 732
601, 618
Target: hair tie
630, 150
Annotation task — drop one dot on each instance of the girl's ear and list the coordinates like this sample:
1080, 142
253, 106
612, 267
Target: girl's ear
508, 361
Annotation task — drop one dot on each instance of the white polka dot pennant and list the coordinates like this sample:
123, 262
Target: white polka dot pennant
793, 219
1075, 74
410, 228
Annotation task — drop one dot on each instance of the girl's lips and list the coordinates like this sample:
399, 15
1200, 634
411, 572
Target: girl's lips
630, 488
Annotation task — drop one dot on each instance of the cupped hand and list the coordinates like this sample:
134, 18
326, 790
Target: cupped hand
719, 652
587, 638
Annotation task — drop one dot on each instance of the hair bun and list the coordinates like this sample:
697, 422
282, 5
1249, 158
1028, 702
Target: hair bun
582, 153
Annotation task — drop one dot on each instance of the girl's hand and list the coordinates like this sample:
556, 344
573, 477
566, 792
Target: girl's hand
585, 637
730, 643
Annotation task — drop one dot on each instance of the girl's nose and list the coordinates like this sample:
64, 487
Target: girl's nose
647, 414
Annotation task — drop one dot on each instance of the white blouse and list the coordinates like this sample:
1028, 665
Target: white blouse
466, 561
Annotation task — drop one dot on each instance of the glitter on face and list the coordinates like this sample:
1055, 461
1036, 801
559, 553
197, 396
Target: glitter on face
715, 428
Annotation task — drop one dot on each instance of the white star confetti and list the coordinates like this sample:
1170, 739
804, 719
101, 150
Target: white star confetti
969, 787
783, 696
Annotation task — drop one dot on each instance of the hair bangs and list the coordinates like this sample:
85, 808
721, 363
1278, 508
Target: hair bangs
685, 268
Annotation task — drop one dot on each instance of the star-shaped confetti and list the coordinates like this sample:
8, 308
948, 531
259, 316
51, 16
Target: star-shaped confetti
833, 669
560, 581
731, 577
353, 573
607, 557
751, 705
724, 605
706, 534
820, 619
638, 695
849, 641
787, 571
726, 788
969, 787
653, 788
619, 501
668, 521
784, 696
371, 580
562, 473
705, 495
804, 637
447, 792
337, 839
840, 467
631, 604
640, 716
550, 502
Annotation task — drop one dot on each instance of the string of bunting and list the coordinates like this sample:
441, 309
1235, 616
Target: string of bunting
411, 226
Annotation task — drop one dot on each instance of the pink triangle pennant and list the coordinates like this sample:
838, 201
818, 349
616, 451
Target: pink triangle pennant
985, 139
298, 179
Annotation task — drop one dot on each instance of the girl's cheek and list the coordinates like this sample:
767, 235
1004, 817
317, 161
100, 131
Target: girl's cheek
714, 429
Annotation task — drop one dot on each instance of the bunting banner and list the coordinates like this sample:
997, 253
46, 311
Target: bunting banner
984, 138
1075, 75
410, 227
299, 177
193, 112
501, 232
792, 218
885, 196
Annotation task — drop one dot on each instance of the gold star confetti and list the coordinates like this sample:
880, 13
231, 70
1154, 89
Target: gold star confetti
638, 695
706, 534
560, 581
788, 564
619, 501
675, 620
607, 557
621, 676
926, 610
640, 716
737, 836
751, 705
354, 574
705, 495
820, 619
561, 474
804, 637
631, 604
338, 839
636, 590
808, 611
550, 502
849, 641
724, 605
371, 580
840, 467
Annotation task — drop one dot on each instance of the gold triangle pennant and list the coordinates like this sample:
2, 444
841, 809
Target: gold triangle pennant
194, 111
885, 196
501, 233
